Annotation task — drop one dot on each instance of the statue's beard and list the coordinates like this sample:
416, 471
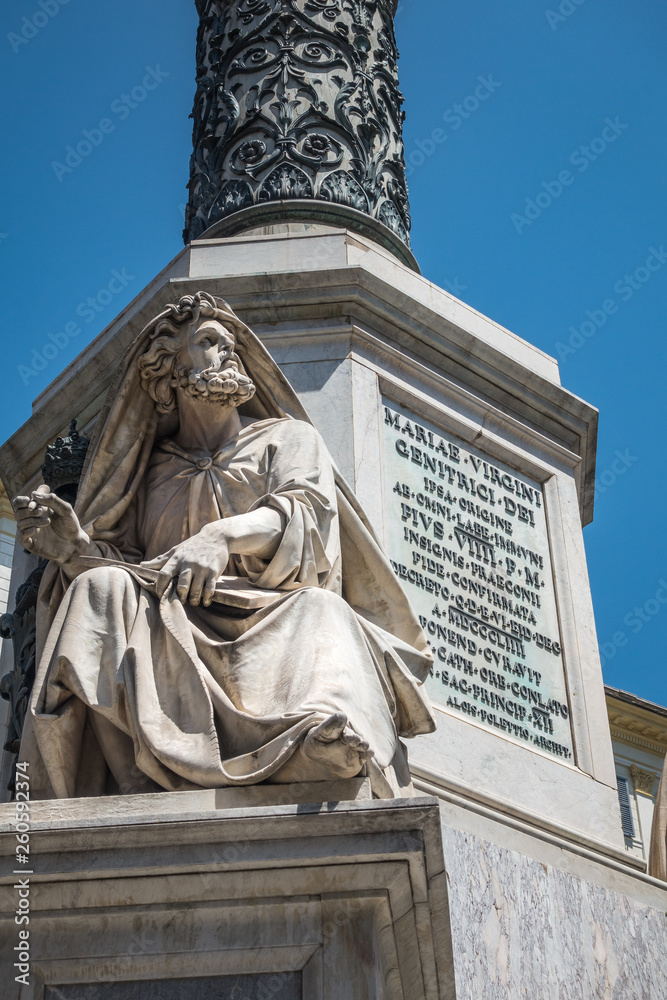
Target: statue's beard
224, 387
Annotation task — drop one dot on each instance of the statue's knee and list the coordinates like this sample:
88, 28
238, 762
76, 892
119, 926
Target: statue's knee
101, 578
319, 600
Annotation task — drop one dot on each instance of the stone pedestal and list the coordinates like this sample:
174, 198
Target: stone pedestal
177, 895
476, 469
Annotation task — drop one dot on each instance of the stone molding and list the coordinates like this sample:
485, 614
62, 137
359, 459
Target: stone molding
622, 734
351, 894
431, 783
637, 722
314, 212
297, 100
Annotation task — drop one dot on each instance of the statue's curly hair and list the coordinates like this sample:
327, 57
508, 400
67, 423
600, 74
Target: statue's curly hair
158, 367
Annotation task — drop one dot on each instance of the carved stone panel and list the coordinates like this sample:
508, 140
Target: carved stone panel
644, 781
468, 538
297, 99
278, 986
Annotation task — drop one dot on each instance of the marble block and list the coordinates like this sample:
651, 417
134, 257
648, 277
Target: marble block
332, 900
53, 812
517, 686
283, 986
531, 917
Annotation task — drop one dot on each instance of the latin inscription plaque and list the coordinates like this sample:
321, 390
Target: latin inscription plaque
467, 537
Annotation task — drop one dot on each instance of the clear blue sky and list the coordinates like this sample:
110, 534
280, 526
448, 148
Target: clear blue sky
551, 85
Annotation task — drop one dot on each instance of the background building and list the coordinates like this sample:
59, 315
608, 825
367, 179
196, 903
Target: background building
639, 738
7, 536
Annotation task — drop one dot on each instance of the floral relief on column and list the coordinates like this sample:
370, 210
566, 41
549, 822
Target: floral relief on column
297, 99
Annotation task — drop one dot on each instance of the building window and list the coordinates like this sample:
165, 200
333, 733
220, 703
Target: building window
626, 809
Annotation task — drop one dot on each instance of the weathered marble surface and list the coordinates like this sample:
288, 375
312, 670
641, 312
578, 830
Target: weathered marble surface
276, 986
350, 895
524, 929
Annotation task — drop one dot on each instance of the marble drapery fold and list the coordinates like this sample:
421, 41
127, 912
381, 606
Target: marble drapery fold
134, 692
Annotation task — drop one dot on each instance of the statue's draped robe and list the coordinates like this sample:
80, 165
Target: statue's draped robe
175, 697
206, 696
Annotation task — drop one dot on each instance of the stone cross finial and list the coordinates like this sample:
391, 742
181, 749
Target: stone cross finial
297, 117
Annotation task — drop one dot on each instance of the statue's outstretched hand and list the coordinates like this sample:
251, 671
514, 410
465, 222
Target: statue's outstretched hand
49, 528
195, 564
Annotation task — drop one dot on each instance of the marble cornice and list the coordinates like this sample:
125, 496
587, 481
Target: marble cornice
625, 736
637, 723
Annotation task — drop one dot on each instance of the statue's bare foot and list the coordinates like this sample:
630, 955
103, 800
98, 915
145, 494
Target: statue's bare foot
337, 748
329, 751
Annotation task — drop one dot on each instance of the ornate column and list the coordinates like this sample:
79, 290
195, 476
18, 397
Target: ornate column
297, 117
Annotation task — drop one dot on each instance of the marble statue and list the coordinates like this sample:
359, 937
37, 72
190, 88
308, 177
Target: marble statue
216, 610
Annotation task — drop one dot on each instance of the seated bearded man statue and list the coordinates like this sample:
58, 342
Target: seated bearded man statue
216, 610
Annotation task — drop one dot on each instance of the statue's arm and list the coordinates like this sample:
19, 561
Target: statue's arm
48, 527
198, 562
287, 540
256, 533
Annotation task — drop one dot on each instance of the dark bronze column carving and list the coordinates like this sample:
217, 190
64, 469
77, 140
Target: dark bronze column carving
298, 109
